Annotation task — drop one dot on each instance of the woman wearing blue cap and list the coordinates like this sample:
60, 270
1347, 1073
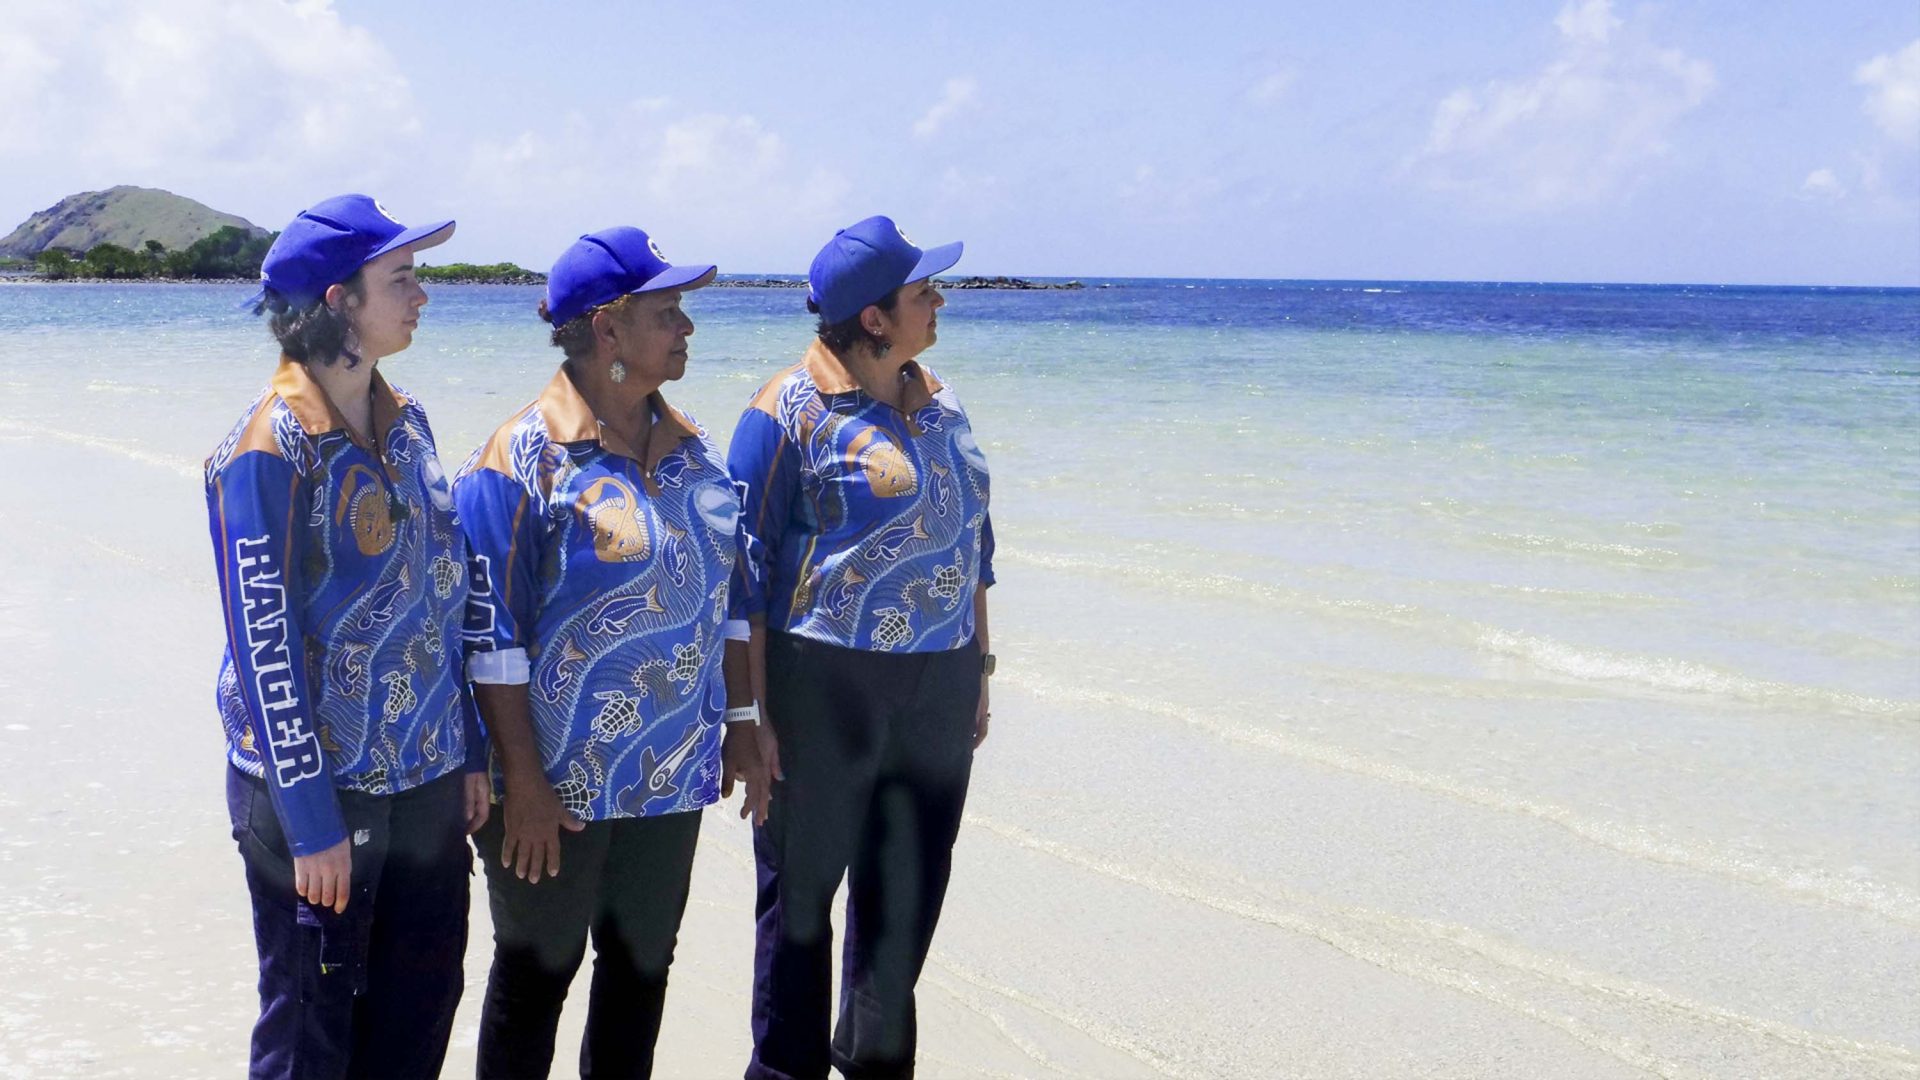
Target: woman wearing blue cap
865, 498
606, 529
355, 763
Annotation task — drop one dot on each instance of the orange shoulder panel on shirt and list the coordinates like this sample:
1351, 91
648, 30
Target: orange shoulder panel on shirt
497, 454
258, 435
768, 399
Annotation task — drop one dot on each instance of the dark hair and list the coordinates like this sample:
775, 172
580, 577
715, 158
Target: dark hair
575, 336
313, 333
843, 335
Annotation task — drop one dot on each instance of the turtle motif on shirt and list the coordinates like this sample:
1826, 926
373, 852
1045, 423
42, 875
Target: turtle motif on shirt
894, 630
446, 575
575, 796
619, 716
946, 584
400, 696
686, 663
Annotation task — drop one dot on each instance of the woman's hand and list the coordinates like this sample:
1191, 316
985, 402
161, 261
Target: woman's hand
325, 879
740, 759
478, 791
534, 818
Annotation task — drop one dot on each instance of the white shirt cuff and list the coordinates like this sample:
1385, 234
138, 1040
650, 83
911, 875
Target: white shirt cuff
502, 667
736, 630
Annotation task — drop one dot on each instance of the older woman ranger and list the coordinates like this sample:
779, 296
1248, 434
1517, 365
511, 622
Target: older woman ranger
606, 529
866, 501
343, 580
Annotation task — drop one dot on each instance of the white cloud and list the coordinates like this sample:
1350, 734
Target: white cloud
1823, 185
1893, 92
711, 182
1271, 89
959, 94
1588, 126
196, 90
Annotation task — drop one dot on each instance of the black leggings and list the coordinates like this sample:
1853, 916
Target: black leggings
877, 748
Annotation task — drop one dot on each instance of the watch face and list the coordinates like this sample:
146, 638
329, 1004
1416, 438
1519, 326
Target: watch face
986, 664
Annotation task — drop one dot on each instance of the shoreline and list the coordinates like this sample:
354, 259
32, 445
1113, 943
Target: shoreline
996, 282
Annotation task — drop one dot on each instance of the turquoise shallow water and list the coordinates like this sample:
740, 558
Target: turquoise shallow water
1743, 462
1549, 653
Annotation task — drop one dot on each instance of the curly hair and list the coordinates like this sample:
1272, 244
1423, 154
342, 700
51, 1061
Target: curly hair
314, 332
843, 335
575, 336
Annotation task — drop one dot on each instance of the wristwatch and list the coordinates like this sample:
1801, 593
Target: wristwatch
986, 663
745, 713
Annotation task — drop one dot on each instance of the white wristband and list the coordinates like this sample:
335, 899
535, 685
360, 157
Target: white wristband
743, 714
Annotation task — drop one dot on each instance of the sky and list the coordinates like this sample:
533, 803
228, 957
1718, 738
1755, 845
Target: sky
1740, 141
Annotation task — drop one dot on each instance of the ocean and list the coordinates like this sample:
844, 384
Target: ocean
1581, 622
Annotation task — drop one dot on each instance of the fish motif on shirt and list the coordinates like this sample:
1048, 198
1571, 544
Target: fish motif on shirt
615, 614
674, 467
844, 591
617, 520
673, 553
889, 473
553, 681
659, 769
384, 601
887, 544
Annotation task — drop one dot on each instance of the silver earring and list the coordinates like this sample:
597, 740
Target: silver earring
617, 372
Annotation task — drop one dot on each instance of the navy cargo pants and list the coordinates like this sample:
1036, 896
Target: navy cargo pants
369, 992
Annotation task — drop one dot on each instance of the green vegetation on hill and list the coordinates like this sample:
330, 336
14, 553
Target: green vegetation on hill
504, 273
230, 252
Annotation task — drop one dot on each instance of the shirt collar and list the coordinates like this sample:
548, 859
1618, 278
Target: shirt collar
570, 419
830, 376
317, 413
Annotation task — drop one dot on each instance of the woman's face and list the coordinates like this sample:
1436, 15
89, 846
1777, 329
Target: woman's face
912, 325
652, 337
388, 309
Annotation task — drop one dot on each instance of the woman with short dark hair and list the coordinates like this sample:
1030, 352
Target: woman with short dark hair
865, 497
354, 757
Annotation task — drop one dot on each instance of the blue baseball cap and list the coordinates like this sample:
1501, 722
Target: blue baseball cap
330, 241
866, 261
606, 265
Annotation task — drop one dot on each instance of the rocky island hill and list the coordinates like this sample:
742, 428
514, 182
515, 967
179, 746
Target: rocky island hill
129, 233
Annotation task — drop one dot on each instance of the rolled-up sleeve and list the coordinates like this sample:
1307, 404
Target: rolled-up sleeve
501, 523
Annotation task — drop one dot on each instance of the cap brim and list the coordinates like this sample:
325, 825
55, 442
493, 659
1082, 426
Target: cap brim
683, 278
935, 260
419, 238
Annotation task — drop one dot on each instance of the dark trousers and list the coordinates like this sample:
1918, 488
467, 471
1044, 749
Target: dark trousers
876, 748
369, 992
624, 882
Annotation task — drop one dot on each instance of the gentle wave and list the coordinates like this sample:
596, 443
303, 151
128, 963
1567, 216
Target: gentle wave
1549, 655
1864, 894
1682, 676
191, 470
1624, 553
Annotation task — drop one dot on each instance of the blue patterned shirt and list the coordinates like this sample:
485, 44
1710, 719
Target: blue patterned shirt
868, 525
343, 578
601, 582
